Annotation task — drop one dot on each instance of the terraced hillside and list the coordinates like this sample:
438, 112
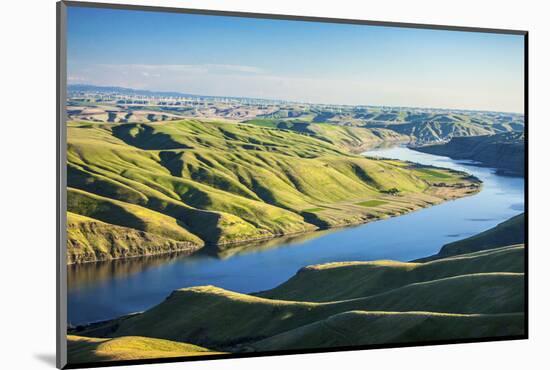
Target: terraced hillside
143, 189
504, 151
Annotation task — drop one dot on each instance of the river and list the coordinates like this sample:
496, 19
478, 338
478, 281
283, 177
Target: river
105, 290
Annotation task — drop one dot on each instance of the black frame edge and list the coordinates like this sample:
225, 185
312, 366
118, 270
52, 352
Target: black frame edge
526, 177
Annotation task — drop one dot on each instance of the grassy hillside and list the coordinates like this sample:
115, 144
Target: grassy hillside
350, 138
92, 240
511, 231
453, 295
505, 151
348, 280
85, 350
355, 328
193, 182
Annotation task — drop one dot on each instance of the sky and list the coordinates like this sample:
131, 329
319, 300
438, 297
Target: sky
295, 60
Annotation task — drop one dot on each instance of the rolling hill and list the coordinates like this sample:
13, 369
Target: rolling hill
465, 295
433, 300
349, 280
183, 184
356, 328
367, 123
428, 129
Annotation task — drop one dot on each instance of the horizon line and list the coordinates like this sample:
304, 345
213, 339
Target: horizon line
294, 101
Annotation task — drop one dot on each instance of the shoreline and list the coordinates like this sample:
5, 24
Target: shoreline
474, 183
471, 178
76, 328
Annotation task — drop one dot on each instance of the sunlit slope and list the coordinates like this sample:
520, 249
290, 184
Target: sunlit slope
348, 137
221, 319
347, 280
92, 240
358, 129
220, 183
85, 350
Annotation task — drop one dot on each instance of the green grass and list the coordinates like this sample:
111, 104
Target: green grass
435, 174
223, 183
217, 318
348, 280
372, 203
487, 285
264, 122
354, 328
85, 349
91, 240
316, 209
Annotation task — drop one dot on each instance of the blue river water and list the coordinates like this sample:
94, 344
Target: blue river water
106, 290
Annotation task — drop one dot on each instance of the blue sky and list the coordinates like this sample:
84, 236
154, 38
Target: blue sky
304, 61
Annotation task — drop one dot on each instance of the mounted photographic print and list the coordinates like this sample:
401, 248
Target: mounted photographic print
235, 185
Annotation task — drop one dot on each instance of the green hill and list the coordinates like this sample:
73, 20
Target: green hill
348, 280
92, 240
504, 151
229, 321
86, 350
511, 231
193, 182
352, 138
354, 328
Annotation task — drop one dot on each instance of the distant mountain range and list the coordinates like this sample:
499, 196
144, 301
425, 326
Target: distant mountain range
83, 88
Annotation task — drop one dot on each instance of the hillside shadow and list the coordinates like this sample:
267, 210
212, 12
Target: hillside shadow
172, 162
144, 137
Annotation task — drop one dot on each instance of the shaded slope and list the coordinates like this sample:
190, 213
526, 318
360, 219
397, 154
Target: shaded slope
468, 296
218, 318
355, 328
511, 231
438, 129
347, 280
505, 151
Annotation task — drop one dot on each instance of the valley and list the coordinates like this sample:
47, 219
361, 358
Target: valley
239, 226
